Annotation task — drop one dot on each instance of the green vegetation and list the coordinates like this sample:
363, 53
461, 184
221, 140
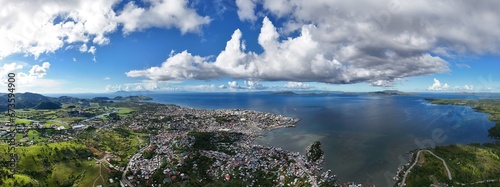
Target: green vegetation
429, 170
48, 105
45, 165
215, 141
467, 163
22, 121
121, 142
314, 153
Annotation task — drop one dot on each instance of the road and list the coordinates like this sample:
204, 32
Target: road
136, 155
415, 162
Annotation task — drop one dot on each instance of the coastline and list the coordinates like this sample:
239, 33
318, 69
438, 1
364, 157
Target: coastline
403, 171
247, 125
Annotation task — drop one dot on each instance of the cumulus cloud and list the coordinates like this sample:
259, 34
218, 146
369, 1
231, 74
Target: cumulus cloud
113, 88
246, 10
31, 27
296, 85
142, 86
233, 85
202, 87
39, 26
92, 50
299, 59
253, 85
39, 71
83, 48
438, 86
179, 66
424, 25
382, 83
161, 14
376, 43
25, 78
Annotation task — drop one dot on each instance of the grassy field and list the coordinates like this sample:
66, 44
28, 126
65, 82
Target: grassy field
52, 164
35, 136
22, 121
121, 142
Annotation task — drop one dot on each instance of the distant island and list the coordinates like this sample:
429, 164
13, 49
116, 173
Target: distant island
132, 98
390, 92
285, 93
315, 93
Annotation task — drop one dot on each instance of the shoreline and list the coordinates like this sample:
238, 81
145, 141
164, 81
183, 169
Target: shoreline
404, 170
249, 124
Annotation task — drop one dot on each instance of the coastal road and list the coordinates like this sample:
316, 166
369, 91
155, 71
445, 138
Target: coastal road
415, 162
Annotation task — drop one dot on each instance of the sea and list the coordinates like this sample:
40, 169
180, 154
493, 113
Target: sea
365, 137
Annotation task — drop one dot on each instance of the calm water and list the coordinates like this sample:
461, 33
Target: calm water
365, 137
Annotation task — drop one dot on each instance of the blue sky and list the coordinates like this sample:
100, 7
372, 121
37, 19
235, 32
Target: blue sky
244, 45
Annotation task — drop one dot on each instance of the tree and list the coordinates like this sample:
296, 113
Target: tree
314, 153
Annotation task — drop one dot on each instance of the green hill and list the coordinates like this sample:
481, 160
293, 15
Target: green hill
48, 105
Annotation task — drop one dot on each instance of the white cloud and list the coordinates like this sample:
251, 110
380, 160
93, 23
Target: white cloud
179, 66
38, 27
161, 14
106, 78
403, 25
246, 10
92, 50
113, 88
299, 59
341, 42
296, 85
29, 26
233, 85
253, 85
32, 80
222, 86
43, 86
39, 71
9, 68
83, 48
382, 83
438, 86
143, 86
74, 59
203, 87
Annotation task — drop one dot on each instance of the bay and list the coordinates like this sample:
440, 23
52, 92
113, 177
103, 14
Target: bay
365, 137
